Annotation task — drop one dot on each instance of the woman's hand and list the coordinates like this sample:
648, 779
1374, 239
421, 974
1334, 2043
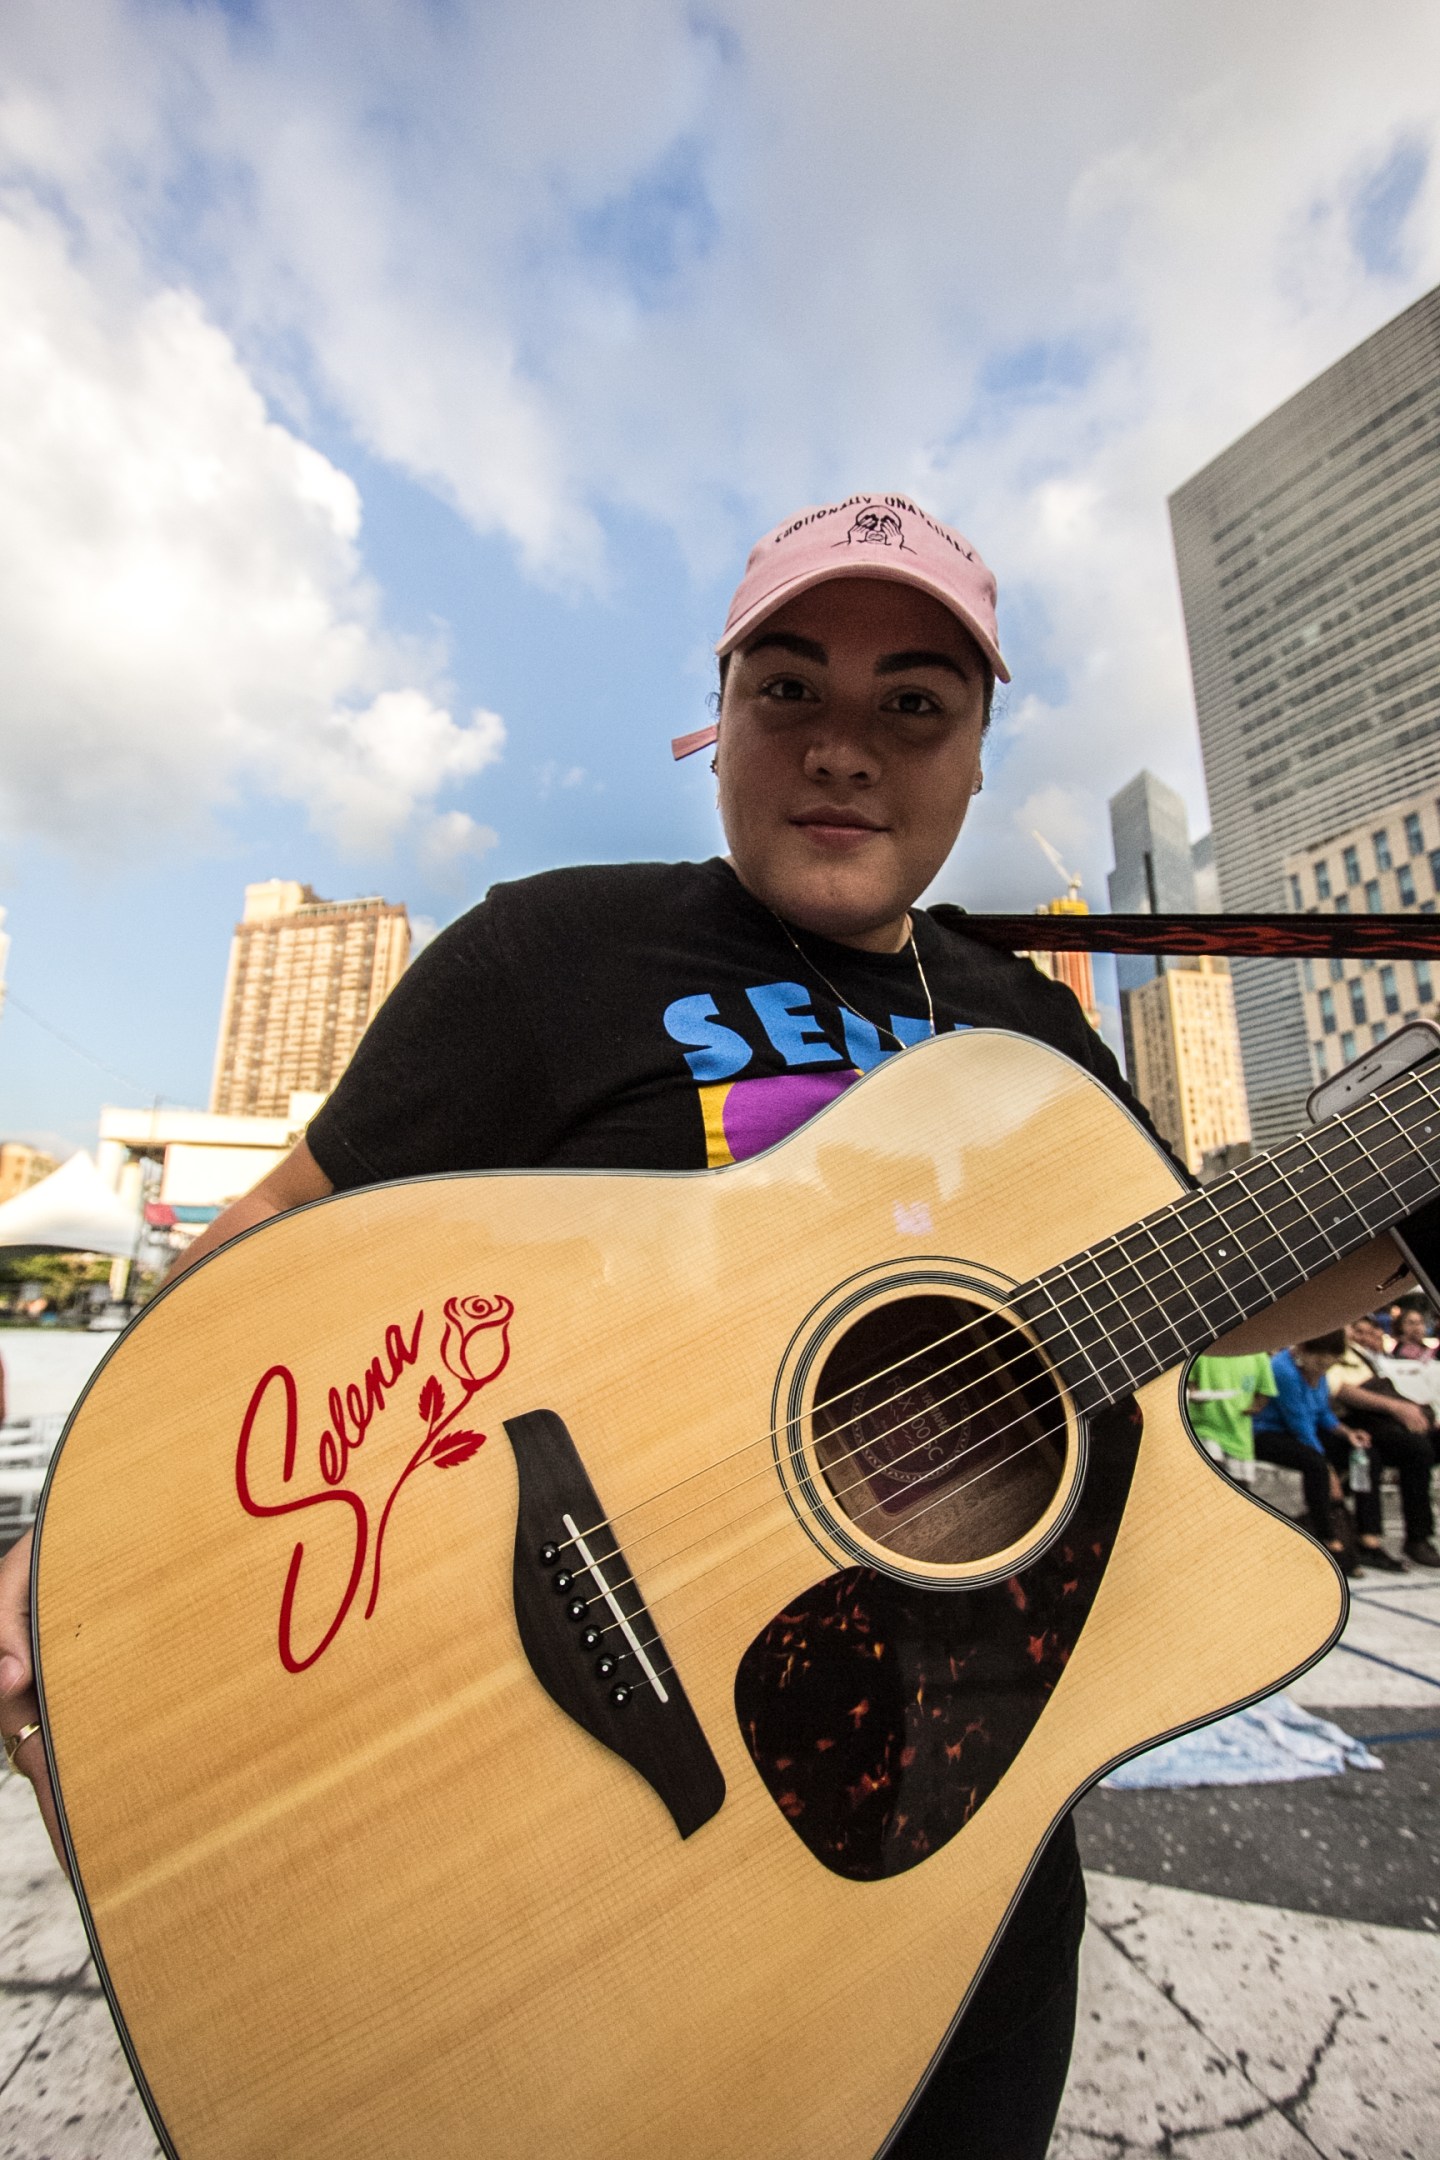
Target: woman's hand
18, 1705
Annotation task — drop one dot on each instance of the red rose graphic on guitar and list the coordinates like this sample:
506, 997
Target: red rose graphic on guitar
474, 1350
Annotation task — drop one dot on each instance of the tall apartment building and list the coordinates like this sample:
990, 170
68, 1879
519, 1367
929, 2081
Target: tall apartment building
1309, 561
22, 1166
1186, 1058
1388, 862
306, 977
1071, 968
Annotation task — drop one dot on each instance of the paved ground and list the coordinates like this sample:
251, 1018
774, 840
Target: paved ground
1230, 2031
47, 1368
1295, 2015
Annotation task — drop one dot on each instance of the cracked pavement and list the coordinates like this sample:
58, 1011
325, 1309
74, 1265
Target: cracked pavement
1223, 2029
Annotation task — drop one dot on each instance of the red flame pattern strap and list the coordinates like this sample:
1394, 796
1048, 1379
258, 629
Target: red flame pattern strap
1271, 937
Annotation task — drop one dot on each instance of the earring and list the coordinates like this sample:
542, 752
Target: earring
979, 783
715, 764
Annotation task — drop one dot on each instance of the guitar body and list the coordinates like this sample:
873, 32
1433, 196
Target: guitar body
363, 1884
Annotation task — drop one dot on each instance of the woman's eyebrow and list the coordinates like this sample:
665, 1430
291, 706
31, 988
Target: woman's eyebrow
804, 648
900, 663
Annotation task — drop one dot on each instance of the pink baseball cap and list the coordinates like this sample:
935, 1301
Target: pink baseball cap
885, 536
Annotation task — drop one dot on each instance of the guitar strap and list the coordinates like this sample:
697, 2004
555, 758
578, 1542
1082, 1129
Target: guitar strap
1234, 937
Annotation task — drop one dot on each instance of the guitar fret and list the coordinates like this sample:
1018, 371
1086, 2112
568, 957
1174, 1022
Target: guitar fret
1125, 1327
1154, 1325
1088, 1389
1092, 1321
1318, 1236
1139, 1302
1215, 1234
1207, 1320
1247, 1225
1354, 1168
1341, 1210
1372, 1119
1416, 1168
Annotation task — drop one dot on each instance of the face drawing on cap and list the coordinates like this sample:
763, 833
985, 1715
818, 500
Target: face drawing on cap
876, 526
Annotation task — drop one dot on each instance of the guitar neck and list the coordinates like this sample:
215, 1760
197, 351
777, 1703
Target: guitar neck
1130, 1308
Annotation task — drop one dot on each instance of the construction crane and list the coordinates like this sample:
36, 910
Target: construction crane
1072, 879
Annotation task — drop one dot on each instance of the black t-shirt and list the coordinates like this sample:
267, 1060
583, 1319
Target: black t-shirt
650, 1016
656, 1016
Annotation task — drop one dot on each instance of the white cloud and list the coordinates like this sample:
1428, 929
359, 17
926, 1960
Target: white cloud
552, 774
183, 610
1037, 265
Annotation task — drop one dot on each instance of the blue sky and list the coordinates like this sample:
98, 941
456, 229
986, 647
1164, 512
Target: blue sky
392, 393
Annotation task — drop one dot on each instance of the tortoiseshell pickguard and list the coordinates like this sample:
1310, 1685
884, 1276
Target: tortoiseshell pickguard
881, 1716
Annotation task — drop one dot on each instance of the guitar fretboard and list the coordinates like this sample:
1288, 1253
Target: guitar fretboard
1133, 1306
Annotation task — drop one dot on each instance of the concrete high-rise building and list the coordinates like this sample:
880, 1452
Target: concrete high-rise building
1157, 872
1071, 968
1309, 561
1207, 883
306, 978
1154, 871
1388, 862
22, 1166
1186, 1058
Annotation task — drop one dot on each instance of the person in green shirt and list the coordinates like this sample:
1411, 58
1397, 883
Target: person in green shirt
1221, 1394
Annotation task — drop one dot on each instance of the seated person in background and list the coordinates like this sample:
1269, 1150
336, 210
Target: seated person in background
1297, 1428
1221, 1394
1410, 1339
1402, 1435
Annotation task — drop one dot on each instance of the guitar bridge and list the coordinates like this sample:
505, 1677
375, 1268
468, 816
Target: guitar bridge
587, 1633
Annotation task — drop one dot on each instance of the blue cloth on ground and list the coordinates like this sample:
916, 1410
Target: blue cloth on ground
1268, 1744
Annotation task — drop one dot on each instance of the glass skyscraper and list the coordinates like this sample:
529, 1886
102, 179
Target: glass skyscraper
1154, 874
1309, 561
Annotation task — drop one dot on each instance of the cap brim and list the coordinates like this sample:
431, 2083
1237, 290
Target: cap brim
738, 631
687, 745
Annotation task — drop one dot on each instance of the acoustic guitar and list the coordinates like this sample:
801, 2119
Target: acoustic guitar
585, 1663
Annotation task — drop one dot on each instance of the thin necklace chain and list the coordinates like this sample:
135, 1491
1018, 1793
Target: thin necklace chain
844, 1002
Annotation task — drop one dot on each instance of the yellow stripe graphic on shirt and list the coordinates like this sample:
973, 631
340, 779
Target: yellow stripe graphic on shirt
712, 1110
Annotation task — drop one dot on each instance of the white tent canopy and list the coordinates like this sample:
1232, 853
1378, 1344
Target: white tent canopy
72, 1210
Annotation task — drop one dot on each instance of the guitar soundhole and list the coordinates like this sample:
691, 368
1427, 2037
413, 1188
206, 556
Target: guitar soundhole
939, 1430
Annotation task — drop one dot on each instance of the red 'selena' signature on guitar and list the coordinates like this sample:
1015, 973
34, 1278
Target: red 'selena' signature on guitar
474, 1349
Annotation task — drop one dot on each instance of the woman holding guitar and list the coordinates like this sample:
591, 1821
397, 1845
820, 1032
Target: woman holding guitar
683, 1016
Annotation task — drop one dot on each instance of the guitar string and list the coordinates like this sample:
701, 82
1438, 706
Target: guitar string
689, 1618
1213, 1216
774, 1499
941, 1499
950, 1494
1117, 1359
1278, 1181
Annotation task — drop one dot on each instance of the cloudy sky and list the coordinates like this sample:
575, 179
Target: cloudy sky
389, 394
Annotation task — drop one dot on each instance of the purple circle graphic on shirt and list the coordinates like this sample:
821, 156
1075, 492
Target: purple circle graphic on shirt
760, 1112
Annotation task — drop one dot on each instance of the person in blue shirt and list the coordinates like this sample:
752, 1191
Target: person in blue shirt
1297, 1429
